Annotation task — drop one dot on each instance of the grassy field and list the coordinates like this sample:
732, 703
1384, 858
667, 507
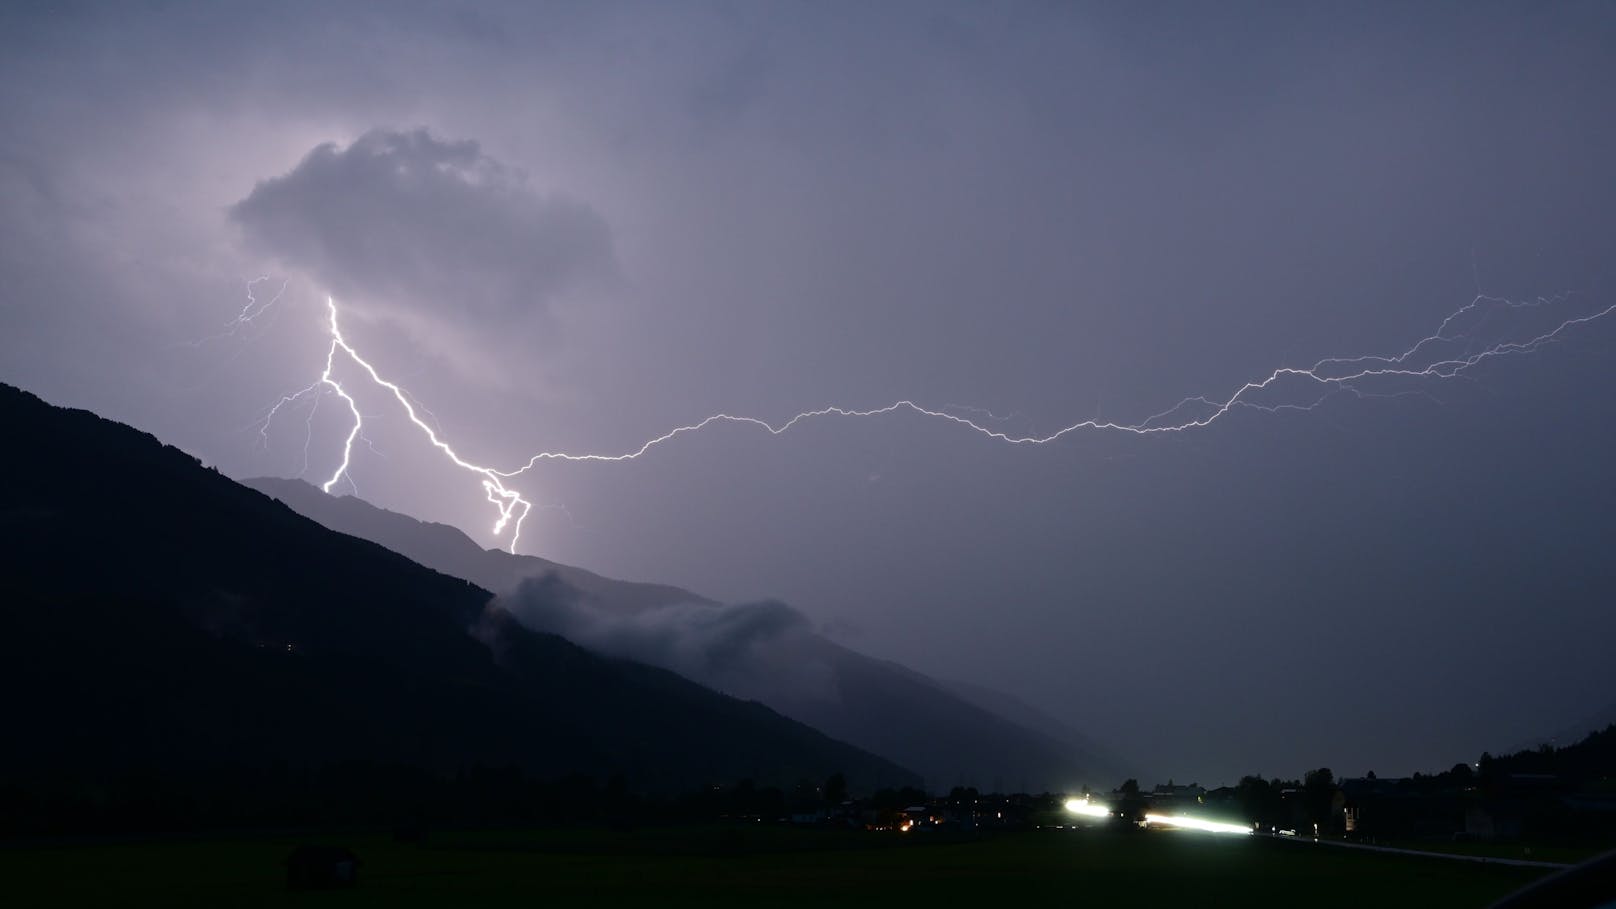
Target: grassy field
768, 866
1539, 852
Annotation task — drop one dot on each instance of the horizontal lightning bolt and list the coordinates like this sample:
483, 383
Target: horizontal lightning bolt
1331, 374
1335, 373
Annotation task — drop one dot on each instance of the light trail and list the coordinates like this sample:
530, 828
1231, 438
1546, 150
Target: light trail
1087, 808
1328, 376
1195, 823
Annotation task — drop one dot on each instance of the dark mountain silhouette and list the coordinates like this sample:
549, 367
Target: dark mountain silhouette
1021, 713
949, 736
167, 634
1575, 733
1590, 759
449, 550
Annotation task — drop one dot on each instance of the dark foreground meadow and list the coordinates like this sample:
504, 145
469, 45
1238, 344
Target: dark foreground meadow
754, 865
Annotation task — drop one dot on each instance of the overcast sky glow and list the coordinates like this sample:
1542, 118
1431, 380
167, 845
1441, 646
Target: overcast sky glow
576, 226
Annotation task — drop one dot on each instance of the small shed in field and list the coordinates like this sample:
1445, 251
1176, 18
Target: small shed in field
321, 868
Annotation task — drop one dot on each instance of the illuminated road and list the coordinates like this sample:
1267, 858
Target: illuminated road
1479, 859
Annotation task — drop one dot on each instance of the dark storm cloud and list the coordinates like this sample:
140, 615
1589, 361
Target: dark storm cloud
407, 218
1058, 211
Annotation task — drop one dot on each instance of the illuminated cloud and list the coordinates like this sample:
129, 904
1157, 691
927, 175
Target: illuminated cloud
427, 231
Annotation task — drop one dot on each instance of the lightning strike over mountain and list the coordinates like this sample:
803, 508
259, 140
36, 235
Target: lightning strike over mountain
510, 504
1327, 376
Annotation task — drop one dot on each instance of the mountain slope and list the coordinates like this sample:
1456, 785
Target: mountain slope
1575, 733
761, 651
158, 619
450, 551
1021, 713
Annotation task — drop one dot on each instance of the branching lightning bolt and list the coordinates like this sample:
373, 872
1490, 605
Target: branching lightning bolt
1330, 376
250, 311
512, 507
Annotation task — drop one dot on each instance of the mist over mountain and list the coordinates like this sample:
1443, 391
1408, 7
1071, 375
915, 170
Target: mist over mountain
950, 733
168, 632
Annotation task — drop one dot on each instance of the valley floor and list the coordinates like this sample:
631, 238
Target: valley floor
755, 866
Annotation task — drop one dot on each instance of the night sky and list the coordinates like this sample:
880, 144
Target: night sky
575, 227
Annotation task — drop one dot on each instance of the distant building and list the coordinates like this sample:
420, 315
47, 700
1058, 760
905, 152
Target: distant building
1168, 798
1494, 821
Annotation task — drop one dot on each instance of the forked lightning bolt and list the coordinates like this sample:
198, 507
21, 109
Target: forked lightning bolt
1329, 375
250, 311
512, 507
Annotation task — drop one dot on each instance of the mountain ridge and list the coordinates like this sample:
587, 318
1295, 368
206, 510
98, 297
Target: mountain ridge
172, 626
931, 726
